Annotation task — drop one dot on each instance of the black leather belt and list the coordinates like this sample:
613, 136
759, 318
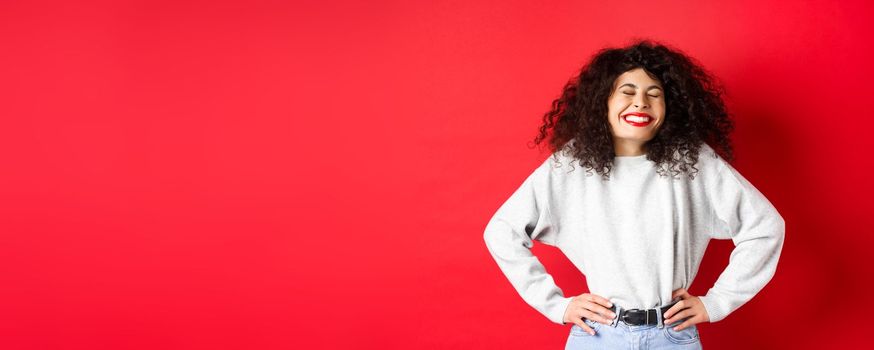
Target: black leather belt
637, 317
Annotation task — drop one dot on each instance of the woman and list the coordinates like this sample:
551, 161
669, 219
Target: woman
649, 121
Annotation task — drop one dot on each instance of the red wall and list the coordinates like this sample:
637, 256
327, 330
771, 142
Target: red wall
270, 174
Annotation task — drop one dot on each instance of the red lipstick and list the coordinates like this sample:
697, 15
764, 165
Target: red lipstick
636, 123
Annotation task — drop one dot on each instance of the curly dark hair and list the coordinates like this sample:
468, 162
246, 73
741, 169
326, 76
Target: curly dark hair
694, 110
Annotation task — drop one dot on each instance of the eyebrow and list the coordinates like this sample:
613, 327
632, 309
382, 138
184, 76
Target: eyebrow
635, 86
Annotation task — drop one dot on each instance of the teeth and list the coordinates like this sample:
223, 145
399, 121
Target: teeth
637, 119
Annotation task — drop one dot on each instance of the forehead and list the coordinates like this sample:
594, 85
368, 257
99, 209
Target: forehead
638, 77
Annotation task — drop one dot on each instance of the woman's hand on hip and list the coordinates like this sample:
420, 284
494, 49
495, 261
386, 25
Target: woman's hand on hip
590, 306
689, 307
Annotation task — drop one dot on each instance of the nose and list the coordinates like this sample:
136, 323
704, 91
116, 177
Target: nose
640, 101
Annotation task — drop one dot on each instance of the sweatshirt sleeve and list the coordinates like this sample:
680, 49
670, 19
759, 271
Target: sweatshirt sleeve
509, 236
744, 215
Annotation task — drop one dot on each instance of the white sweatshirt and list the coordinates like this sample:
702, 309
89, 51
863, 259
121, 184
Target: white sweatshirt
638, 236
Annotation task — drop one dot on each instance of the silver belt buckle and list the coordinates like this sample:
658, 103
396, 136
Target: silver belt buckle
645, 312
626, 315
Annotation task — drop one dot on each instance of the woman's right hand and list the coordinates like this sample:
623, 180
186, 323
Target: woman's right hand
590, 306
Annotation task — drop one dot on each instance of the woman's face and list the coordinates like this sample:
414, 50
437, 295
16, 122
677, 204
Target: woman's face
636, 110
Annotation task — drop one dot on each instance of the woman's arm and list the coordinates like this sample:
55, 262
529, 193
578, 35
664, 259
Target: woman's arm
744, 215
509, 236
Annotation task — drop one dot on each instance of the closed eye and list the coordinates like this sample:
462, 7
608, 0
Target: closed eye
631, 94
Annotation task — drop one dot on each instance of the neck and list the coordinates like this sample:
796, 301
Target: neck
625, 148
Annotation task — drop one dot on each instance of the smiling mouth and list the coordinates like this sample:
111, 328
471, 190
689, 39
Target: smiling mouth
637, 120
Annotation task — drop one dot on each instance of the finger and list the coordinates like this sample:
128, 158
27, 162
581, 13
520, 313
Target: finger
585, 327
579, 322
595, 317
679, 316
678, 292
683, 325
591, 306
680, 305
600, 300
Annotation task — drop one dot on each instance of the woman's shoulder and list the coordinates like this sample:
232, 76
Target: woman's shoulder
707, 154
710, 164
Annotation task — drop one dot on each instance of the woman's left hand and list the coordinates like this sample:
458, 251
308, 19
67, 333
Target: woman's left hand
691, 307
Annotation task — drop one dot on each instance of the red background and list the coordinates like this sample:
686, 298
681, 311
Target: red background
271, 174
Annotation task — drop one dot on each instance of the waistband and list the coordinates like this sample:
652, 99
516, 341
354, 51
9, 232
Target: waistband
638, 317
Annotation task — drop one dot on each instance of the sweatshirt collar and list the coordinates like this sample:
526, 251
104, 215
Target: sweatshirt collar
630, 160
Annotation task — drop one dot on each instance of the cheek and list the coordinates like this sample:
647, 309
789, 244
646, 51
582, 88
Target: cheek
614, 107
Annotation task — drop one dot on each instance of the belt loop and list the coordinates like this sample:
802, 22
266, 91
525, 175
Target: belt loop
659, 317
618, 314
